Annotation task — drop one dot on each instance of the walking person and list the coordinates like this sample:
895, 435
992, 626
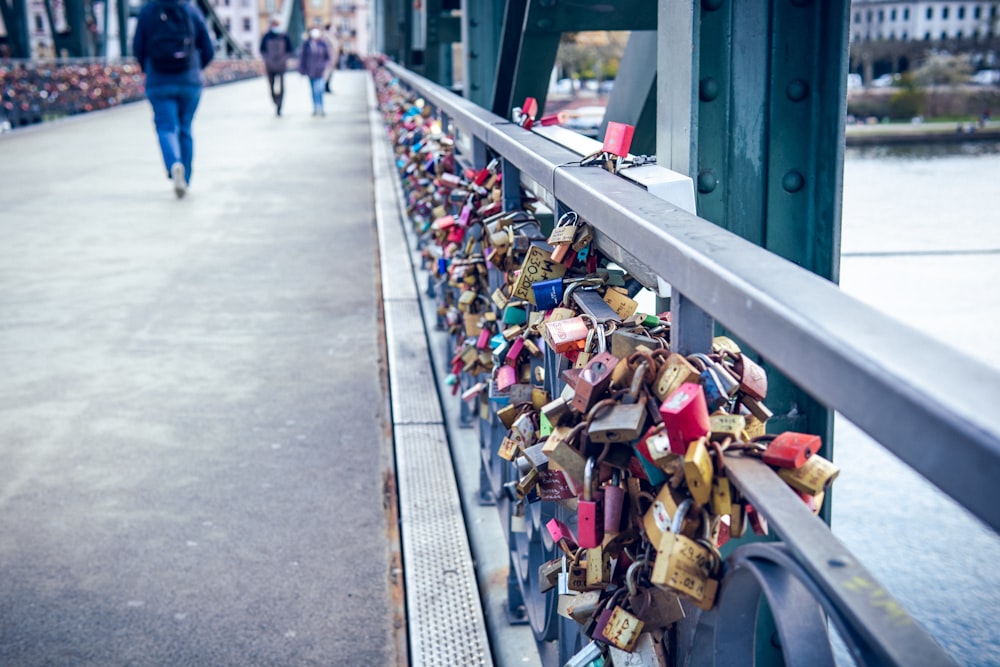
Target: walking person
275, 48
331, 42
172, 45
313, 61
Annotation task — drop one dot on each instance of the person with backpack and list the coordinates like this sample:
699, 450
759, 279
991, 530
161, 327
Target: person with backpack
173, 46
314, 58
275, 49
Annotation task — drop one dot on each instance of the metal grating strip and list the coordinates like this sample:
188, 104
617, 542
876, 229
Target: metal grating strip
397, 271
411, 376
442, 599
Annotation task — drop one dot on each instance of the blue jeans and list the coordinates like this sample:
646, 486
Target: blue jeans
318, 86
173, 111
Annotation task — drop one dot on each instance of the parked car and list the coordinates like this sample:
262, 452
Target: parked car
986, 77
885, 80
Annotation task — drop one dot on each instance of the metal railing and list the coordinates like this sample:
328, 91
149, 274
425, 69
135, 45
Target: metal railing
35, 91
935, 415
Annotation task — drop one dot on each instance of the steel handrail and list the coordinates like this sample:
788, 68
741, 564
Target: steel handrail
928, 403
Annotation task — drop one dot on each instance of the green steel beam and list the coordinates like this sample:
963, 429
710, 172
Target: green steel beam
633, 99
15, 20
583, 15
530, 40
511, 35
482, 21
393, 26
762, 135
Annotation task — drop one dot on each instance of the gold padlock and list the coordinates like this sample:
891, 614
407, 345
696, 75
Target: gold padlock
683, 564
727, 426
624, 306
813, 478
722, 498
675, 372
698, 471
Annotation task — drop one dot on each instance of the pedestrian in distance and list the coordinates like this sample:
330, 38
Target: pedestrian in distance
275, 49
314, 58
173, 46
331, 42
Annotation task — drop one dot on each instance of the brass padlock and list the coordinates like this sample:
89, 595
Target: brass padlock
559, 448
683, 564
617, 626
813, 478
676, 371
698, 471
579, 607
612, 421
656, 608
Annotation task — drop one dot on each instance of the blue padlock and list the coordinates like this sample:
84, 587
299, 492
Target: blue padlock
548, 293
715, 397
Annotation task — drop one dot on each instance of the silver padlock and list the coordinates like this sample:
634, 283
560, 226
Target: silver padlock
586, 655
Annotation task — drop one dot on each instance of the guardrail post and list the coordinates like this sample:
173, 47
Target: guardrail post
691, 328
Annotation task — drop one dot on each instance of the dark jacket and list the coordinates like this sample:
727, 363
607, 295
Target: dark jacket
275, 49
314, 58
204, 48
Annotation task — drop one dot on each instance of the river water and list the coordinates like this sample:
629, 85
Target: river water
921, 242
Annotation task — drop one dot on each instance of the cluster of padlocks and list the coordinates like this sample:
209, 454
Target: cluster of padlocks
634, 445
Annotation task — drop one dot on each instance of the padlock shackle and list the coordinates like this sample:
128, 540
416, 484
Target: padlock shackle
588, 479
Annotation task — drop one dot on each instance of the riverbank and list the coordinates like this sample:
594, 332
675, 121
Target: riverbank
927, 132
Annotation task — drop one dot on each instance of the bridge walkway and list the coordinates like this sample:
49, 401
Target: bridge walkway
196, 457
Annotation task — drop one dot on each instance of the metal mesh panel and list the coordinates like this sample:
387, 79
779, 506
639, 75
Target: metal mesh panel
411, 377
442, 599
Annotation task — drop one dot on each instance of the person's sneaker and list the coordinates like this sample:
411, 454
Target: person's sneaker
177, 176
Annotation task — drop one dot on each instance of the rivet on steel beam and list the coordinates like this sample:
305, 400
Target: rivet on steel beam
797, 90
708, 89
707, 181
711, 5
792, 181
544, 24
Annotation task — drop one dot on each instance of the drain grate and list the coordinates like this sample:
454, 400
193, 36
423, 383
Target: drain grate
414, 396
442, 599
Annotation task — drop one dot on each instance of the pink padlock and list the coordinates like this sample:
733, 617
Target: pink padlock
484, 339
506, 377
463, 219
560, 532
515, 351
685, 416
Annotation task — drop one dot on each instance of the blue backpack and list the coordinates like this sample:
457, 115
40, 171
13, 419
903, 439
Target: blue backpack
171, 42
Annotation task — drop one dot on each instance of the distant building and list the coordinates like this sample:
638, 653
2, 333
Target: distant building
242, 20
348, 21
889, 36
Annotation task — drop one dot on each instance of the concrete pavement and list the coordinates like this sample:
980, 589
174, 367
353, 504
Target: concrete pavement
194, 452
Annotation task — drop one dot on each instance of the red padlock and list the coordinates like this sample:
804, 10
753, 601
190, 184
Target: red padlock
791, 450
589, 513
685, 416
528, 112
757, 521
618, 139
594, 381
614, 503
